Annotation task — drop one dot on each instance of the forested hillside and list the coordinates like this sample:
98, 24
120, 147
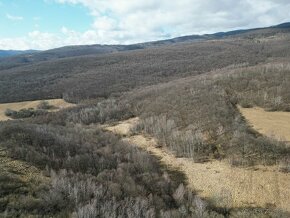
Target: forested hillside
89, 77
186, 97
199, 118
8, 53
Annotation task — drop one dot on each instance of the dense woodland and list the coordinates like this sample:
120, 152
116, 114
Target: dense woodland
91, 174
187, 96
32, 56
101, 76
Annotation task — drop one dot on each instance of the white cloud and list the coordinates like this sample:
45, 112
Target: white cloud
14, 18
44, 40
33, 40
131, 21
105, 23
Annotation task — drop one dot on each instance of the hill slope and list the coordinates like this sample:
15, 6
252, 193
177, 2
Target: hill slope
185, 96
87, 77
232, 187
8, 53
75, 51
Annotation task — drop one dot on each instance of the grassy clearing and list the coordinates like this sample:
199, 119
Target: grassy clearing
272, 124
22, 170
224, 185
19, 181
57, 103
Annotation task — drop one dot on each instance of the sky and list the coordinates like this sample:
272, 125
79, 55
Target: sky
46, 24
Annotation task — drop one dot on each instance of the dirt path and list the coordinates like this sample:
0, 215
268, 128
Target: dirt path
226, 186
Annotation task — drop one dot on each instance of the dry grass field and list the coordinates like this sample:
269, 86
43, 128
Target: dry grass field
217, 181
22, 170
19, 181
58, 103
273, 124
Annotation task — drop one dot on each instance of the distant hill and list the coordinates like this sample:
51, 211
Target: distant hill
102, 75
283, 25
27, 57
9, 53
93, 71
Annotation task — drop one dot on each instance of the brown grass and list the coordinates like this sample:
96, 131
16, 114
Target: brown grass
22, 170
217, 180
58, 103
272, 124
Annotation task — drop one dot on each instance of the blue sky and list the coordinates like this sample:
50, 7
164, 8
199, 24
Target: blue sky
45, 24
41, 15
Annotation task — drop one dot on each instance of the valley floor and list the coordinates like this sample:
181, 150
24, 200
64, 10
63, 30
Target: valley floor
217, 181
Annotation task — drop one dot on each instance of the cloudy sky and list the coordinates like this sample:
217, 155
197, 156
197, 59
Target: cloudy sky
44, 24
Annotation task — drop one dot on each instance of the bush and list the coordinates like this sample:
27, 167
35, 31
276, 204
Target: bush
285, 165
246, 104
44, 105
103, 111
9, 112
24, 113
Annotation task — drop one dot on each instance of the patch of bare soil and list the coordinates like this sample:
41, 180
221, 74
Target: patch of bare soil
217, 180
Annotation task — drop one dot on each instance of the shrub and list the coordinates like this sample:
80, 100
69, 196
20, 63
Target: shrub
44, 105
9, 112
24, 113
103, 111
285, 165
245, 104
